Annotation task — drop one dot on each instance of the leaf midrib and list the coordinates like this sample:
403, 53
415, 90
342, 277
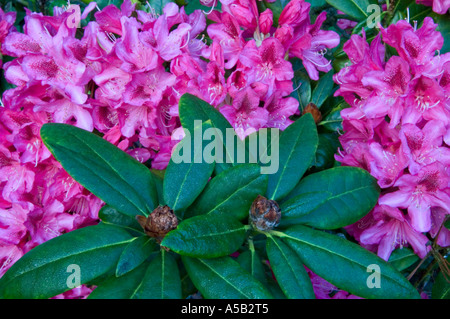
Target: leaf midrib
287, 261
339, 255
74, 158
297, 140
231, 195
69, 256
224, 279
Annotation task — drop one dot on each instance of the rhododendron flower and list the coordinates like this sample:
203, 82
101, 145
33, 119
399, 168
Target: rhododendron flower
245, 115
424, 146
312, 46
397, 129
391, 230
267, 62
419, 192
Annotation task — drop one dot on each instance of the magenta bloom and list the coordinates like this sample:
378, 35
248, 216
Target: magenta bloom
418, 193
245, 115
391, 230
313, 45
267, 63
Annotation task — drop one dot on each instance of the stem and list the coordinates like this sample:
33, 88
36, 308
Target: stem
276, 233
418, 266
427, 271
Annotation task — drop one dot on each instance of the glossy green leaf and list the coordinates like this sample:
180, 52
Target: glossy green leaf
191, 109
441, 288
347, 265
401, 5
158, 177
447, 223
158, 5
418, 12
297, 146
354, 8
231, 193
302, 94
354, 192
323, 89
187, 175
123, 287
402, 258
258, 146
50, 268
333, 120
276, 7
252, 262
223, 278
206, 236
135, 254
327, 148
110, 215
288, 270
162, 279
443, 26
105, 170
295, 208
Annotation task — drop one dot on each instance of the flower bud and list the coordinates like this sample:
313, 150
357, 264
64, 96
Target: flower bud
312, 108
294, 13
161, 221
265, 214
265, 21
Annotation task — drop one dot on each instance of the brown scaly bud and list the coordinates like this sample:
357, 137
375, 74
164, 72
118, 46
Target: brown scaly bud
312, 108
161, 221
265, 214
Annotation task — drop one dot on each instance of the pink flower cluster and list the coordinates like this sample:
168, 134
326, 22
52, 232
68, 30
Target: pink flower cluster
398, 128
122, 76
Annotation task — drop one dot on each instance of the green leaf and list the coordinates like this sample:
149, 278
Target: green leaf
206, 236
162, 279
158, 177
354, 8
158, 5
354, 192
110, 215
187, 175
297, 146
258, 146
303, 93
402, 258
333, 121
327, 148
443, 26
135, 254
418, 12
191, 109
45, 271
231, 193
347, 265
323, 89
289, 270
123, 287
295, 208
105, 170
441, 288
276, 7
223, 278
401, 5
252, 262
447, 223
